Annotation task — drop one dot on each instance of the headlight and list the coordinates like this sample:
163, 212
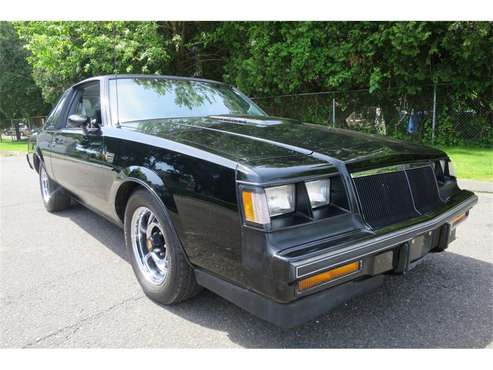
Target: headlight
318, 192
280, 199
444, 171
443, 164
451, 169
446, 168
259, 206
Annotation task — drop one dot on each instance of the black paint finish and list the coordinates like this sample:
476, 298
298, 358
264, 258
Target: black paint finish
195, 167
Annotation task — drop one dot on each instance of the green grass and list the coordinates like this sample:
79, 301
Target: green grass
8, 146
471, 162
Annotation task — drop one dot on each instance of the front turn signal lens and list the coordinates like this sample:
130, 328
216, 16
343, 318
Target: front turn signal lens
255, 207
329, 275
458, 219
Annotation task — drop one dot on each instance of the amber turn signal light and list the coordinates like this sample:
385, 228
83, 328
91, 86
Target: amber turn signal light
329, 275
459, 218
248, 206
255, 207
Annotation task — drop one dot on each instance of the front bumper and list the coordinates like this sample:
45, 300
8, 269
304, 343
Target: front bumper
363, 245
393, 249
292, 314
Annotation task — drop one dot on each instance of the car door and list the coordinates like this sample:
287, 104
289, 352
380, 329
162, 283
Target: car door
79, 157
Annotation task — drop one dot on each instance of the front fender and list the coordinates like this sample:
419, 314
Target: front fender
150, 180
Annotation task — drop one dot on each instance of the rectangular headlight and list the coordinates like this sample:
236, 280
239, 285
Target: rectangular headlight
318, 192
443, 164
280, 199
451, 169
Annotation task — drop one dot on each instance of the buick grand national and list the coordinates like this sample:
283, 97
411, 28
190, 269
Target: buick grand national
282, 218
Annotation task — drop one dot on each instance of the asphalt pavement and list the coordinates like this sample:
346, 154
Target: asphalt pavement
65, 282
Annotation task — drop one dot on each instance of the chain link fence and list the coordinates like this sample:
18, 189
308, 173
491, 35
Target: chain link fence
20, 128
431, 116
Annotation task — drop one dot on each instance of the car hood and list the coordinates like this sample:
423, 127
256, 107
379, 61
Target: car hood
251, 140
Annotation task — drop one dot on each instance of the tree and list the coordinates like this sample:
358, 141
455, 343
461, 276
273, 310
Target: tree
289, 57
394, 64
63, 53
19, 96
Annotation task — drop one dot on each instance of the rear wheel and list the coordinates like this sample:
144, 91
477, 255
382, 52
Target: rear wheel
54, 197
155, 253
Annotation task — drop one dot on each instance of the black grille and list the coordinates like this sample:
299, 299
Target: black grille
387, 198
424, 189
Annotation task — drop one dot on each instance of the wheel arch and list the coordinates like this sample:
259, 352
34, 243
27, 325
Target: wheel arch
138, 177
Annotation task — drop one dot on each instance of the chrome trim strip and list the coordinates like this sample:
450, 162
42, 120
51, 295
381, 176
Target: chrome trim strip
389, 169
288, 181
422, 227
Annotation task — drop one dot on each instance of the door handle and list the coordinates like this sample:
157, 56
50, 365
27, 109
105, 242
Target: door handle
58, 140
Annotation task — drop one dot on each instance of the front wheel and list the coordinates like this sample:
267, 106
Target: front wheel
54, 197
155, 253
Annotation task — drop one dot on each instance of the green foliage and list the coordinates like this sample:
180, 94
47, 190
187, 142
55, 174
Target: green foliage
392, 63
63, 53
20, 97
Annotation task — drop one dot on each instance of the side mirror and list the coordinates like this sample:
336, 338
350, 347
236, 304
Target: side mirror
92, 128
77, 120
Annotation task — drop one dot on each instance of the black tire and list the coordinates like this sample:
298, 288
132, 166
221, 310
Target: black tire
179, 283
54, 198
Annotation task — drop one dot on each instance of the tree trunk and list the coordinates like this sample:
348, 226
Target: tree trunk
17, 132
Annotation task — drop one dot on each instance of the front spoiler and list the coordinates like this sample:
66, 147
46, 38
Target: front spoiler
291, 314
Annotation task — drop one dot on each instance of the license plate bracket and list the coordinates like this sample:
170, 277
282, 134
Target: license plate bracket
412, 251
420, 246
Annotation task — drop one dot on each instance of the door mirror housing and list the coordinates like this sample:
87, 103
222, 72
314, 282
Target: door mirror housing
92, 128
77, 120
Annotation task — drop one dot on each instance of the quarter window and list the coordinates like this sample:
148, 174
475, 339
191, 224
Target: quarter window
54, 117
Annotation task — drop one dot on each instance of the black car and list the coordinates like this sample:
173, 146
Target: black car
283, 218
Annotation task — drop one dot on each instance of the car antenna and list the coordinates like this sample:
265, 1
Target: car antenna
115, 72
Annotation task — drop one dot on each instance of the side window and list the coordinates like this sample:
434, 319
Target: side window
87, 102
54, 116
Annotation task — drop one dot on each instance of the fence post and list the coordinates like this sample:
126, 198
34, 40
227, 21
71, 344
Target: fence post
434, 114
333, 112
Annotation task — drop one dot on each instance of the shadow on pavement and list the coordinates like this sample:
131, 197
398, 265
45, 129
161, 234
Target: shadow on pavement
446, 301
104, 231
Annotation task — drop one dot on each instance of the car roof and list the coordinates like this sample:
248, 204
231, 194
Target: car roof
164, 77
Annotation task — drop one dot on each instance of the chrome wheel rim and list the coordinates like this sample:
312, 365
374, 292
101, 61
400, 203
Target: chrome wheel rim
149, 246
45, 185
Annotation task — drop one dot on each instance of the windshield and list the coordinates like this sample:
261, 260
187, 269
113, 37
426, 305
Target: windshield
151, 98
